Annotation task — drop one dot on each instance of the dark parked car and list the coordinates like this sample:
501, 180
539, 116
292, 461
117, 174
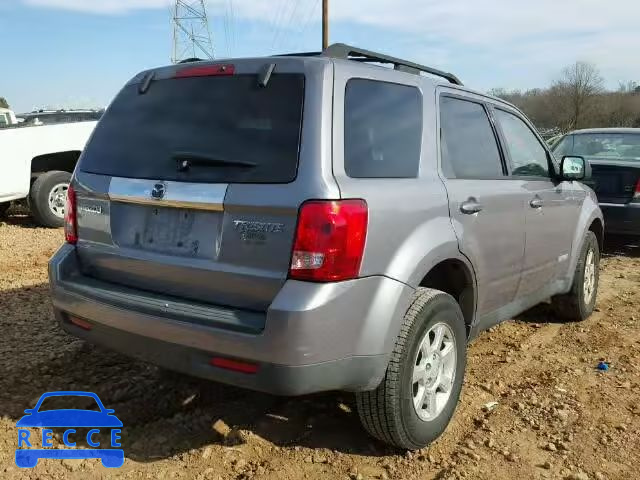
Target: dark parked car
614, 155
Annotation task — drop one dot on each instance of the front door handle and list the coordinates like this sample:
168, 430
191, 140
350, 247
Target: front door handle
536, 202
471, 206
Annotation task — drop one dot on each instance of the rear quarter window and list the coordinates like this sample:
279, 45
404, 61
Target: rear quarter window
383, 130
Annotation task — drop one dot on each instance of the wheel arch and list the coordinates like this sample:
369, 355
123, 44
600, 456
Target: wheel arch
58, 161
597, 227
590, 219
454, 276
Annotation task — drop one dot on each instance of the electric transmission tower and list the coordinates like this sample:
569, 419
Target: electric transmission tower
191, 32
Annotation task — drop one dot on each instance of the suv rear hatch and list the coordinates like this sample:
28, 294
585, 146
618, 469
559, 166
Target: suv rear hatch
187, 186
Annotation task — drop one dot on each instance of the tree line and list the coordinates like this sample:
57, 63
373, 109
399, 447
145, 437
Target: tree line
577, 99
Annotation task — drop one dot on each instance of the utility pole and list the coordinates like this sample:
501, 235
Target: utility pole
191, 33
325, 24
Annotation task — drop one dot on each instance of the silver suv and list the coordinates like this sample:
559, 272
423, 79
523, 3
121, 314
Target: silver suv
296, 224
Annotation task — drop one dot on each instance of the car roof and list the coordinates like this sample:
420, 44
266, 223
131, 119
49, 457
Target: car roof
317, 57
605, 130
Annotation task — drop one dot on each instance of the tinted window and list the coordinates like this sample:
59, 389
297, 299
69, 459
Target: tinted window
613, 145
469, 147
383, 130
528, 156
563, 147
231, 130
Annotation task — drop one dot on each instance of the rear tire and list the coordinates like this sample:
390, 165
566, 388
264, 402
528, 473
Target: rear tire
47, 198
408, 409
578, 304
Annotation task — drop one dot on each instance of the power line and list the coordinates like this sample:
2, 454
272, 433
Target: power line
282, 13
225, 22
289, 24
309, 21
233, 26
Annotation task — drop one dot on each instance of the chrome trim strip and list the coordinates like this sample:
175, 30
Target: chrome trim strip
197, 196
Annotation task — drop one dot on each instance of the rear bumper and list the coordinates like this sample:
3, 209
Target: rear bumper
621, 219
316, 337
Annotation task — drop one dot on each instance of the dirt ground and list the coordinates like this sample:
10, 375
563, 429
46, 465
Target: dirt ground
556, 415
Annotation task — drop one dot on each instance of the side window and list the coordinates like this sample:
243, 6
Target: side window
528, 156
382, 130
468, 143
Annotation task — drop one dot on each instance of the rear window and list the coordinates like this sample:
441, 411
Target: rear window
228, 129
383, 130
612, 145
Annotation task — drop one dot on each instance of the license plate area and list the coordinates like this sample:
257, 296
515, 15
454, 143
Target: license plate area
170, 231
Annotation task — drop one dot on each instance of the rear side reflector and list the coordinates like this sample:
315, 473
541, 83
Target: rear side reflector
206, 71
234, 365
329, 242
78, 322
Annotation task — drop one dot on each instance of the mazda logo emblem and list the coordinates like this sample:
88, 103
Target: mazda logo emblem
159, 191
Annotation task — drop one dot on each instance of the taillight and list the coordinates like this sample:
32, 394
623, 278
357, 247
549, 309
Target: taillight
70, 217
636, 194
329, 241
206, 71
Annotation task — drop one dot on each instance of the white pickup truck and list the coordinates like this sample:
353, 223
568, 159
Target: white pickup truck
7, 118
36, 164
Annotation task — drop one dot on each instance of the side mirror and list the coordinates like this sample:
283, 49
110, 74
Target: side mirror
573, 168
29, 411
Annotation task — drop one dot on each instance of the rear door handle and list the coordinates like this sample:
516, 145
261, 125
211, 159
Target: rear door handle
471, 206
536, 202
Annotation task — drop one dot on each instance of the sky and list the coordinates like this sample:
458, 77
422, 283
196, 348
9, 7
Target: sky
79, 53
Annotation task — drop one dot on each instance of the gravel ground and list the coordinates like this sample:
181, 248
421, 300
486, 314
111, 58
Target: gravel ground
556, 416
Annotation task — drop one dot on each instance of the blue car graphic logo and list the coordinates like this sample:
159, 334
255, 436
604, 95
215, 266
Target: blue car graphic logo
69, 418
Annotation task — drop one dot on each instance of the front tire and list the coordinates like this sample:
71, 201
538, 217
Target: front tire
4, 208
47, 198
578, 304
415, 401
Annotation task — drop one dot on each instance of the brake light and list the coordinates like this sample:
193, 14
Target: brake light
206, 71
329, 241
70, 218
636, 194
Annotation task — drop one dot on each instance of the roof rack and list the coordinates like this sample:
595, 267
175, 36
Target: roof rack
347, 52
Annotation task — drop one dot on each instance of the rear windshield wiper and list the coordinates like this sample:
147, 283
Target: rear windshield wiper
187, 159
